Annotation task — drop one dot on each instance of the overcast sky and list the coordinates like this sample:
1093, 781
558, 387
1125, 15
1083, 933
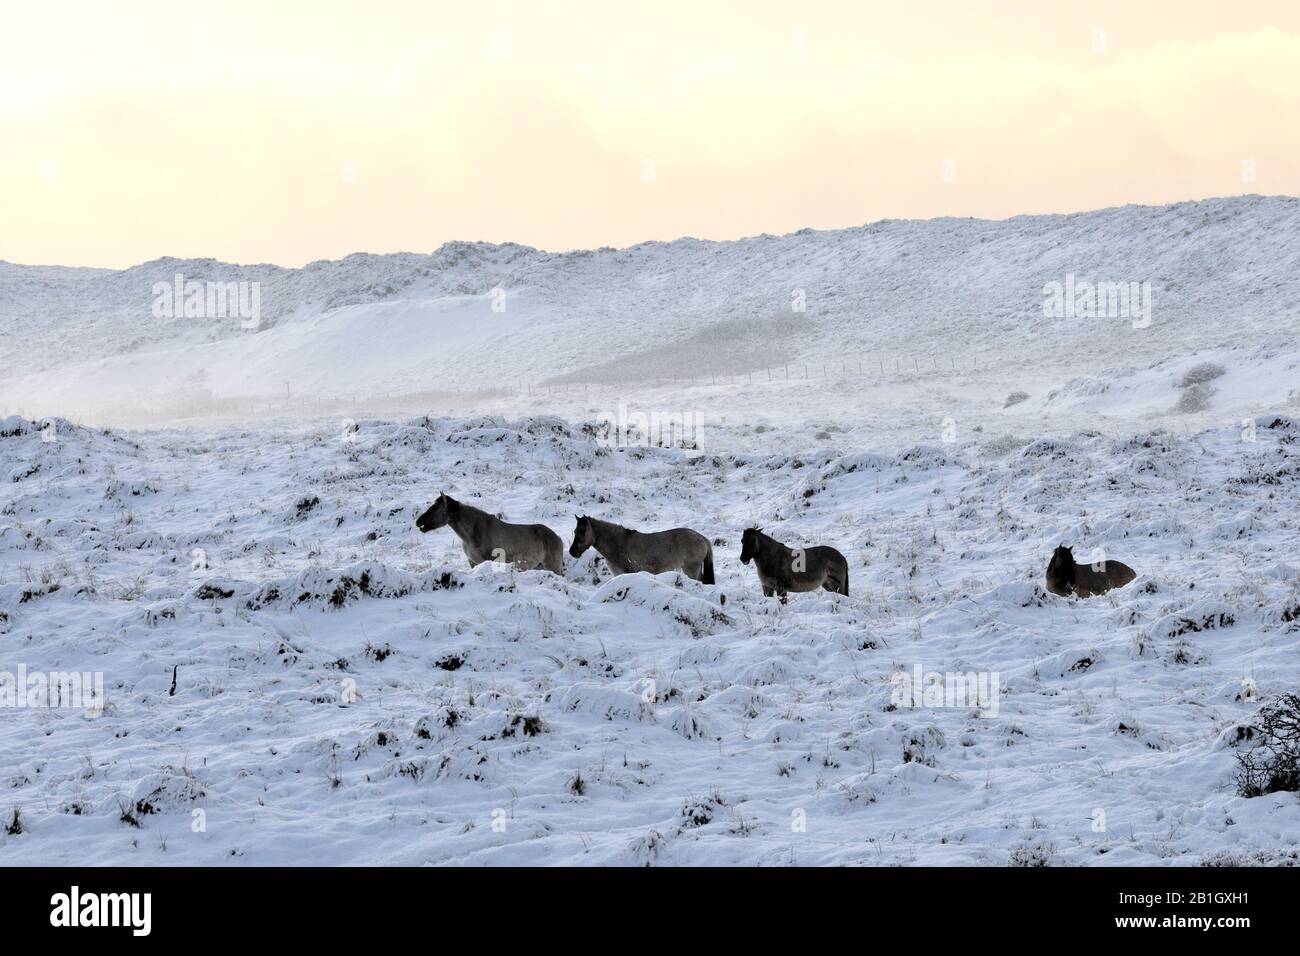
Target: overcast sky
288, 132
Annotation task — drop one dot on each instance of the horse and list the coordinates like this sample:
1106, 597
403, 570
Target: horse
484, 537
627, 551
1064, 577
782, 570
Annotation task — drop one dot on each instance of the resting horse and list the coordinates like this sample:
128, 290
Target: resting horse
1064, 577
782, 569
627, 551
487, 538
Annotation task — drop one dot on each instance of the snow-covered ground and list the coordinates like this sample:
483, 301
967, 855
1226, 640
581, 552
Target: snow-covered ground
349, 691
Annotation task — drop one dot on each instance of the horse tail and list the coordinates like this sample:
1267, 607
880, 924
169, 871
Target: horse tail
707, 576
844, 587
554, 554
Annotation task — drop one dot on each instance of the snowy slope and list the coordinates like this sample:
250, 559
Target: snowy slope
1224, 274
349, 691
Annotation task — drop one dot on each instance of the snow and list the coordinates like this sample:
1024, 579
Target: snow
896, 298
348, 690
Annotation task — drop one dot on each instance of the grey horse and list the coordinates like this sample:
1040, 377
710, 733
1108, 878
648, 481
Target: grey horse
781, 569
487, 538
1064, 577
627, 551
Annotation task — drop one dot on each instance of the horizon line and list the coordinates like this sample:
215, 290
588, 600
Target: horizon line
658, 242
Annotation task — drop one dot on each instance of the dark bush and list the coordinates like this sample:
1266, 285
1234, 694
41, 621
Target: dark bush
1273, 764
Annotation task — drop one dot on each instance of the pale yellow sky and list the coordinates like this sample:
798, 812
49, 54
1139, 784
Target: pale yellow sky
286, 132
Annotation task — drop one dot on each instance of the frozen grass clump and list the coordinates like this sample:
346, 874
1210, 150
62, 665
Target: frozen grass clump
1015, 398
1251, 858
1002, 446
1032, 852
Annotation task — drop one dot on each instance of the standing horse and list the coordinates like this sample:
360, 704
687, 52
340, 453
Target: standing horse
627, 551
781, 569
1064, 577
487, 538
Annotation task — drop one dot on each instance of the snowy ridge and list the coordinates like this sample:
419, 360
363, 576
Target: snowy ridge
941, 293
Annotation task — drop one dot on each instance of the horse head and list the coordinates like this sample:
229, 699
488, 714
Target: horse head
1061, 567
584, 536
437, 514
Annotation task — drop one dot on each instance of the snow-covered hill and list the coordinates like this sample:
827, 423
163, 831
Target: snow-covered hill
940, 295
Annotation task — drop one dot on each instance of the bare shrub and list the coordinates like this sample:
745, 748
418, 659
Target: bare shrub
1200, 374
1195, 398
1273, 764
